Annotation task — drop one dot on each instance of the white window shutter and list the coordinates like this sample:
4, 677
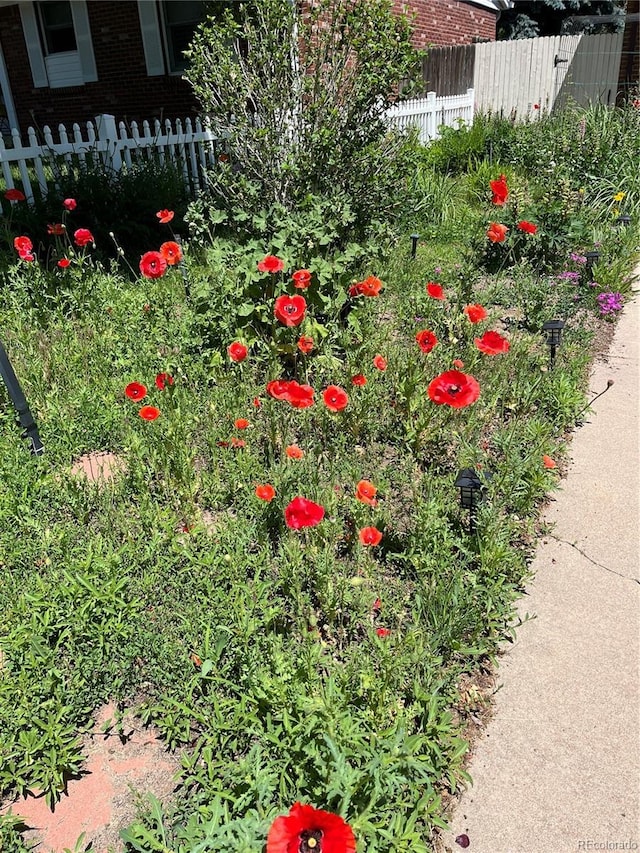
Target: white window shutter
34, 49
83, 40
151, 37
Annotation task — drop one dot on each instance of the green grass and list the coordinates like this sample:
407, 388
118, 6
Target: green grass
114, 592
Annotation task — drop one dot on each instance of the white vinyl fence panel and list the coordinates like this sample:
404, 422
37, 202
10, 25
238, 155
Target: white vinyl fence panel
527, 77
191, 147
430, 113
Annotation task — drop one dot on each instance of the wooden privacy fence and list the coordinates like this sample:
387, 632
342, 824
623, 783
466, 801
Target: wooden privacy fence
512, 77
191, 148
430, 113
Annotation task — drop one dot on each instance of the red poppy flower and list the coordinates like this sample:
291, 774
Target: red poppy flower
366, 492
290, 310
536, 106
435, 290
457, 362
135, 391
527, 227
57, 229
491, 343
335, 398
237, 442
383, 632
271, 264
426, 340
82, 237
371, 286
305, 344
153, 265
376, 607
162, 380
165, 216
265, 492
14, 195
22, 244
370, 536
171, 252
241, 423
500, 190
454, 389
301, 279
475, 313
278, 389
294, 452
359, 379
63, 263
380, 362
149, 413
548, 462
237, 351
301, 512
256, 402
300, 396
69, 204
497, 233
27, 256
306, 829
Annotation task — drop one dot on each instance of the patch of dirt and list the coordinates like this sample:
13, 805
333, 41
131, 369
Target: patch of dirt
99, 466
122, 766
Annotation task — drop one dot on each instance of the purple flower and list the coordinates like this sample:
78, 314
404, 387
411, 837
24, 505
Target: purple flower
578, 259
609, 303
438, 270
569, 275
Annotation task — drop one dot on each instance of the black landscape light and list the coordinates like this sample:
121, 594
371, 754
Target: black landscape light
552, 331
20, 404
414, 244
470, 493
592, 258
625, 220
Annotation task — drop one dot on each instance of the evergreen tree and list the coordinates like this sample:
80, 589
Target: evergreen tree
530, 18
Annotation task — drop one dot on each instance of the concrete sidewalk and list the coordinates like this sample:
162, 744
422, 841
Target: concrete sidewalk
558, 767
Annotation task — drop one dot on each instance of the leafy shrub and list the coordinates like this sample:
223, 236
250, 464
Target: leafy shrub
314, 124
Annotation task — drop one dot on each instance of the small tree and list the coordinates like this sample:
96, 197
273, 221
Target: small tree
300, 97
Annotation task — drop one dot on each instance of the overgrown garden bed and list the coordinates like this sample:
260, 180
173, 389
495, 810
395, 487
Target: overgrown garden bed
280, 575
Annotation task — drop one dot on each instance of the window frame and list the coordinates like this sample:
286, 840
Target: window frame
166, 41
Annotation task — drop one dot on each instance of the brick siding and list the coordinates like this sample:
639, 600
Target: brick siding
443, 22
123, 87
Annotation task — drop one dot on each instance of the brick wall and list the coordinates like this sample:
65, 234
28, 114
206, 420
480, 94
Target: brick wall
443, 22
123, 88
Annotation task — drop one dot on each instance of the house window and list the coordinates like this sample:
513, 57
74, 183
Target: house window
57, 36
180, 17
56, 23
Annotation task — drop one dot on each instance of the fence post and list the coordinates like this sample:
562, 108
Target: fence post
432, 123
108, 134
472, 104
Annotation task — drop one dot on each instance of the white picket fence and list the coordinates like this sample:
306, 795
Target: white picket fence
190, 146
430, 113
